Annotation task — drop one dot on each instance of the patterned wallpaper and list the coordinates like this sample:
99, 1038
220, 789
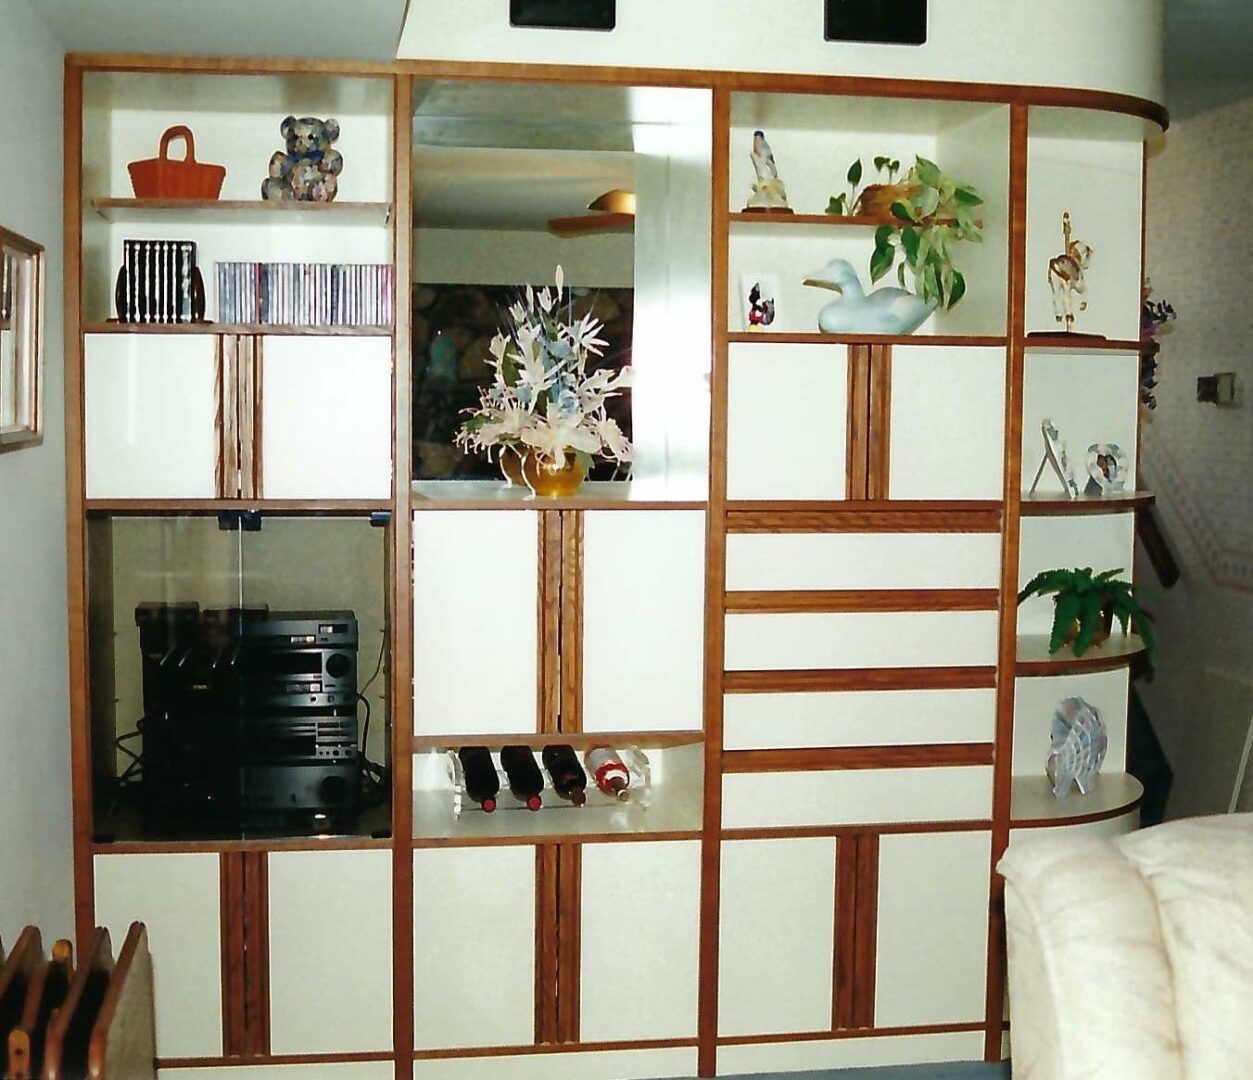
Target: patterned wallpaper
1199, 458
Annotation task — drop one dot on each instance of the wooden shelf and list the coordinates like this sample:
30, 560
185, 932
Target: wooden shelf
1078, 343
580, 741
260, 329
1048, 505
238, 211
214, 506
593, 495
1032, 805
742, 217
970, 340
1034, 660
671, 815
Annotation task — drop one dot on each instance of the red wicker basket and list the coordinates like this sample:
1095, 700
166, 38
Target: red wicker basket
163, 178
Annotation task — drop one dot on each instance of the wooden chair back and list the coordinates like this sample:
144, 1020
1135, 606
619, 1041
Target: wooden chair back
69, 1032
15, 976
46, 991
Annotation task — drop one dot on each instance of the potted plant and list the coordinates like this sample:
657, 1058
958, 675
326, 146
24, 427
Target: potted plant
933, 213
543, 403
1085, 606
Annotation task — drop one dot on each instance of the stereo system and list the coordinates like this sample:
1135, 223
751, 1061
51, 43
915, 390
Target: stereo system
250, 717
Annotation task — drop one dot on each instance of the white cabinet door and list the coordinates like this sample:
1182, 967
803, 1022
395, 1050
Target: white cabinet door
149, 416
643, 620
326, 418
933, 928
475, 621
640, 939
787, 418
330, 941
178, 898
777, 936
474, 947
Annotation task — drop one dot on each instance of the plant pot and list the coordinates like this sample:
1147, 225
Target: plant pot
1099, 638
511, 466
551, 482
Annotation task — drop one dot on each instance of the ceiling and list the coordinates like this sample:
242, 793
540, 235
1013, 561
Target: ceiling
1208, 42
355, 30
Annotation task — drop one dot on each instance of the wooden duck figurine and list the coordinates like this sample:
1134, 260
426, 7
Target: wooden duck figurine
885, 311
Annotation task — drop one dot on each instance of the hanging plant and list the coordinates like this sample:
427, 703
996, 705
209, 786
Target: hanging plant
851, 201
934, 213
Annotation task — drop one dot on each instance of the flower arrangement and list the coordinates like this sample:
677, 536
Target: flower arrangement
1155, 319
543, 403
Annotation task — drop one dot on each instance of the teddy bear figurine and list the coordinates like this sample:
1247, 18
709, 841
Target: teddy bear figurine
307, 170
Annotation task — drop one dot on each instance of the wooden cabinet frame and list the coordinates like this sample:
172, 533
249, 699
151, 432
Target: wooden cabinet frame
560, 605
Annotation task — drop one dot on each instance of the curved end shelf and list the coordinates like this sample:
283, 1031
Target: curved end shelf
1032, 805
1119, 650
1046, 505
1079, 343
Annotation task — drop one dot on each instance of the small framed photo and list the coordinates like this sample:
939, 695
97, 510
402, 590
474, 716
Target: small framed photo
1056, 457
759, 296
1107, 469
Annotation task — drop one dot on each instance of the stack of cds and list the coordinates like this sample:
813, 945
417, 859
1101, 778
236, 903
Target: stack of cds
304, 294
159, 283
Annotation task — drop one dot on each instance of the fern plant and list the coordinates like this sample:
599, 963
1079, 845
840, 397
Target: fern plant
1089, 600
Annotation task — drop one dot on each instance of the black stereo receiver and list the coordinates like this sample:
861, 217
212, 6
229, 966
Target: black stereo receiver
250, 717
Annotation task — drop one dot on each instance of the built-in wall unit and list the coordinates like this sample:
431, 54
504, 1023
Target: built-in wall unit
312, 632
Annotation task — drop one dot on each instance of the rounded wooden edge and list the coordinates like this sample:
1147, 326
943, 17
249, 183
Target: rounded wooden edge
833, 85
1079, 343
1080, 819
1038, 669
647, 740
979, 341
1032, 507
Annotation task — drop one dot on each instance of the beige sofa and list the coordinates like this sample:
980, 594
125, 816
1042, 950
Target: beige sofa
1133, 959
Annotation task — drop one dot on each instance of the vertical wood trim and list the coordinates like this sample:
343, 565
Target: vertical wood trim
75, 518
879, 413
227, 417
547, 875
248, 405
867, 931
569, 941
843, 971
571, 715
857, 423
1144, 274
400, 591
1010, 538
256, 916
715, 578
231, 890
548, 698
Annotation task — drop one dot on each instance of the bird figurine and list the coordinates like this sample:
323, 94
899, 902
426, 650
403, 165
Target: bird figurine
1077, 747
769, 194
885, 311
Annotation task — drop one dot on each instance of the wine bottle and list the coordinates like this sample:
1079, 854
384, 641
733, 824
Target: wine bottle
569, 779
609, 772
482, 782
525, 780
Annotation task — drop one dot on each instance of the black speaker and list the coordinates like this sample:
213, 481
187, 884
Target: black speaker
884, 22
564, 14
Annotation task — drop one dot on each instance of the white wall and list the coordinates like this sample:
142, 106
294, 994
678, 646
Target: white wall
1196, 457
35, 879
1106, 45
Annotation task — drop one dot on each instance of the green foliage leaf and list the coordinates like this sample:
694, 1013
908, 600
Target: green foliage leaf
900, 275
928, 172
1065, 611
965, 195
927, 202
882, 162
836, 205
909, 244
883, 257
855, 172
957, 290
903, 211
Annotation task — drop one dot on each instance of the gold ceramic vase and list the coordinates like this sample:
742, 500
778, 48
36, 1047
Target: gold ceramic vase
552, 482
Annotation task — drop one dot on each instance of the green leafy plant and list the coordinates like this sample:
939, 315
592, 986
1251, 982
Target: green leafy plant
936, 213
847, 203
1091, 602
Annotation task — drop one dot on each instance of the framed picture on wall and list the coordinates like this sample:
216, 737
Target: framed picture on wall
759, 300
21, 340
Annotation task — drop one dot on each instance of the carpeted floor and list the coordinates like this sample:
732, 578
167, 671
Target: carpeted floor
959, 1071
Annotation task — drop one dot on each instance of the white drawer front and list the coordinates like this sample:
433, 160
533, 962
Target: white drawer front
856, 796
796, 561
857, 718
860, 640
